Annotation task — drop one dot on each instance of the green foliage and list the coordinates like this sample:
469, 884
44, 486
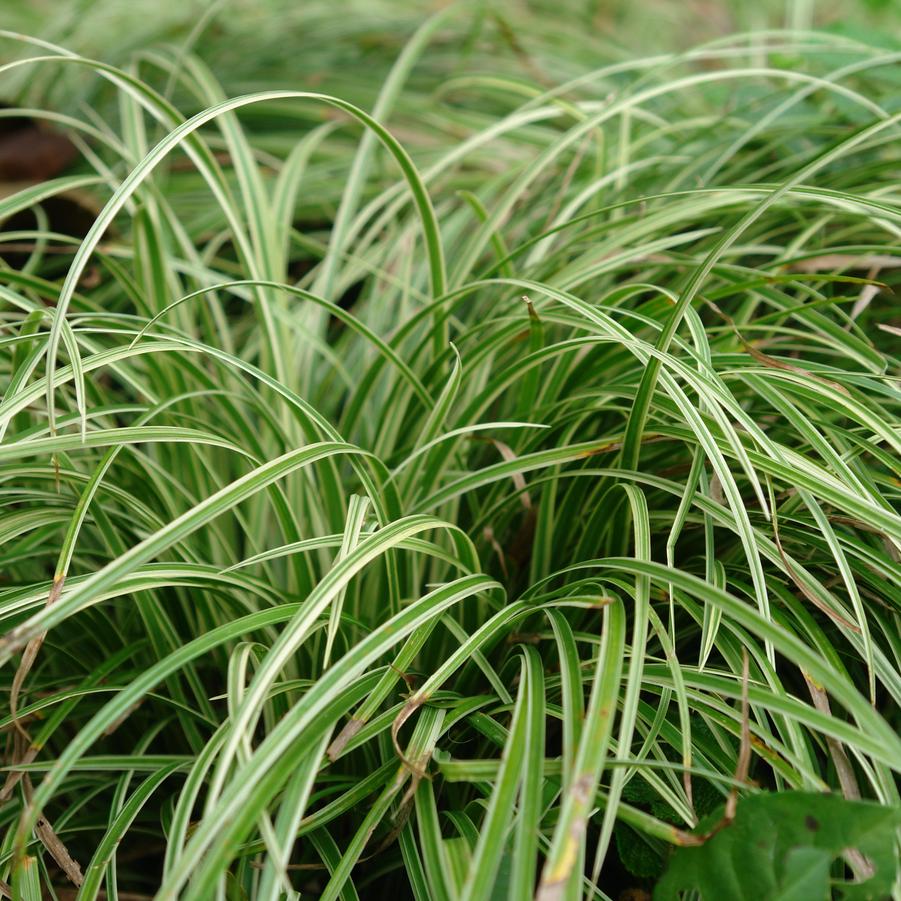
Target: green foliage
638, 854
444, 457
643, 856
784, 846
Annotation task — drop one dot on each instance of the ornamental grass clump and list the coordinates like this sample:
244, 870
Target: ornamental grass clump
479, 481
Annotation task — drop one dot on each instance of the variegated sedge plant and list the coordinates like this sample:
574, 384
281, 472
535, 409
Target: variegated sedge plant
457, 494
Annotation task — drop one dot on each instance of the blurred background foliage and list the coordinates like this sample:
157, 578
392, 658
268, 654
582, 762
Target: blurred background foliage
346, 46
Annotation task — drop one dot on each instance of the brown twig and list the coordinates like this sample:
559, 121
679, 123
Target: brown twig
52, 842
